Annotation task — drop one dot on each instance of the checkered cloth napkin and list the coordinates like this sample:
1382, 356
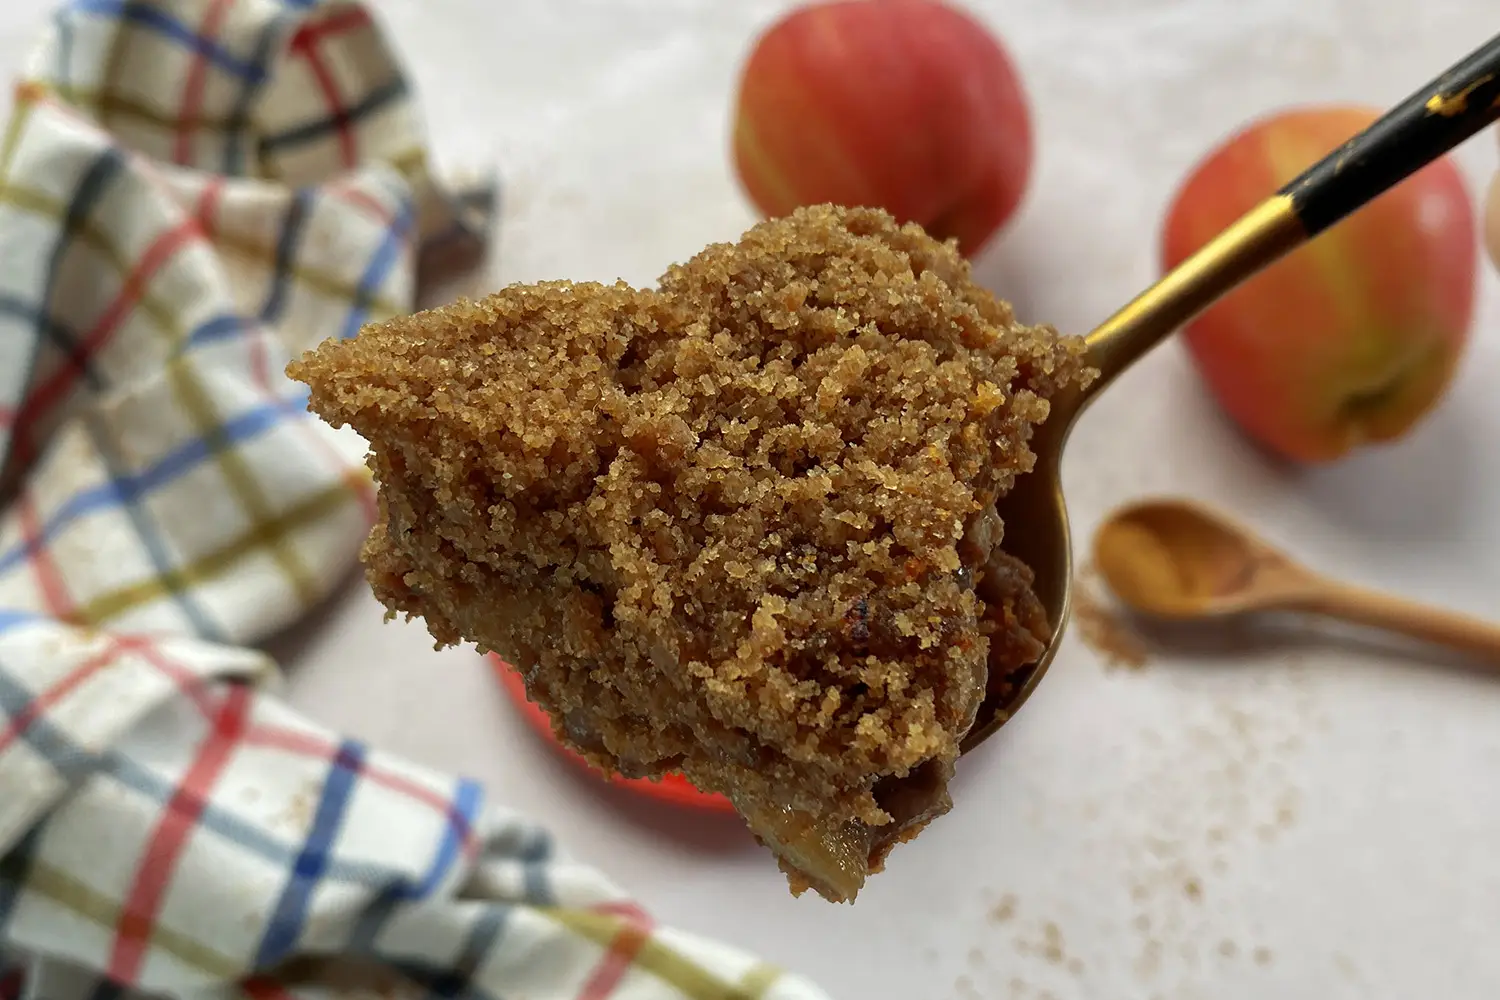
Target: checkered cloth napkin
191, 192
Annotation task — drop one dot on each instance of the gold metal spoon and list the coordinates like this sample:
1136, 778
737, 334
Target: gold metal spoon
1417, 131
1180, 561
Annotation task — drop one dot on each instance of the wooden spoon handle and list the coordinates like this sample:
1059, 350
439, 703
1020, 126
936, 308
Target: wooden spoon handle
1445, 628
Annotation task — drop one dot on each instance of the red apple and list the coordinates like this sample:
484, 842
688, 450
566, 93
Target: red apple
1352, 338
1492, 221
906, 105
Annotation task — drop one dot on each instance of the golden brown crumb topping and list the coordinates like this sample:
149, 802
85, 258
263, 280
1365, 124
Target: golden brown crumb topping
731, 526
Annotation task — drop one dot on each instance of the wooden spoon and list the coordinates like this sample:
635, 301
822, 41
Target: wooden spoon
1411, 135
1180, 561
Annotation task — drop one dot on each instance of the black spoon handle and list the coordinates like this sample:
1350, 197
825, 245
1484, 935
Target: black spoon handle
1411, 135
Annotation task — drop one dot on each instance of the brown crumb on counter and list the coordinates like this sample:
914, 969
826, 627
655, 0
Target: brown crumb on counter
740, 526
1052, 944
1003, 910
1103, 627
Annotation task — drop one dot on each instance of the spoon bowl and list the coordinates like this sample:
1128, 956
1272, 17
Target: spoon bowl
1422, 128
1180, 561
1177, 560
1045, 547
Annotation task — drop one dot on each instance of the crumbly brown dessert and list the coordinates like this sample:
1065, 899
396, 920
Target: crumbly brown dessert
741, 526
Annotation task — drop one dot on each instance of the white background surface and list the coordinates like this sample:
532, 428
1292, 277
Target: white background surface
1303, 820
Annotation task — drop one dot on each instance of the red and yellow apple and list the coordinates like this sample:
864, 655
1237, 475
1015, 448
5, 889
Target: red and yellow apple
1492, 220
907, 105
1352, 338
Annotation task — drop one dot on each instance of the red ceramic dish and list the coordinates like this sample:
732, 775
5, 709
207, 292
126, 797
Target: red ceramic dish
673, 788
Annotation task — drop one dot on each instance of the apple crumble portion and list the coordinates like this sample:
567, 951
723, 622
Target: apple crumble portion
740, 526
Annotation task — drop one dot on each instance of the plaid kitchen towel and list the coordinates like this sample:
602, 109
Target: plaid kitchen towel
192, 192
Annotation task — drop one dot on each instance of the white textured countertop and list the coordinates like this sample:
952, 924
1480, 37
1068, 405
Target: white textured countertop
1314, 821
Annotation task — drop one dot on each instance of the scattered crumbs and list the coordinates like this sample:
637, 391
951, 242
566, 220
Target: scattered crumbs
1048, 945
1052, 944
1075, 966
1206, 791
1103, 628
1003, 910
964, 987
1018, 987
299, 810
976, 957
